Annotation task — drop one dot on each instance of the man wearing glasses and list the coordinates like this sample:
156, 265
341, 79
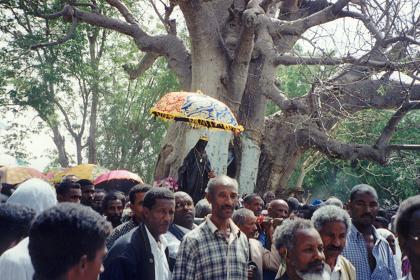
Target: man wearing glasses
369, 253
408, 229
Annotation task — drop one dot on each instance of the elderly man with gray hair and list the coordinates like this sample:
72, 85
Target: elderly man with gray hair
263, 258
333, 224
300, 245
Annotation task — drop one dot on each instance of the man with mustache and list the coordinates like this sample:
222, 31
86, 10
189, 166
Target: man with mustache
365, 248
333, 224
216, 249
142, 253
300, 245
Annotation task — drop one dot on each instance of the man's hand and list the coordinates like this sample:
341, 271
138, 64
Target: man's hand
212, 174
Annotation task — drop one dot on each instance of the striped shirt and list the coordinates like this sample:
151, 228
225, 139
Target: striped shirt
205, 254
120, 231
356, 252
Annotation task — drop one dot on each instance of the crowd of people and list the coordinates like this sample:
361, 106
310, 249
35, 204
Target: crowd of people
74, 231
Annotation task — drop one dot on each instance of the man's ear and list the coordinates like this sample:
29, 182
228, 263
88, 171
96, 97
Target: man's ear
82, 264
60, 197
146, 212
283, 252
208, 197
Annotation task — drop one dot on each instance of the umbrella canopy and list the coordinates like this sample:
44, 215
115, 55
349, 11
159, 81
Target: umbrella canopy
121, 180
86, 171
197, 109
55, 175
13, 175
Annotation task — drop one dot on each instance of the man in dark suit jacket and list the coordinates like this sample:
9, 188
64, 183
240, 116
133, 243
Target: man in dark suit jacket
138, 254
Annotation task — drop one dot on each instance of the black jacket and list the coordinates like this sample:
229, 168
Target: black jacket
131, 257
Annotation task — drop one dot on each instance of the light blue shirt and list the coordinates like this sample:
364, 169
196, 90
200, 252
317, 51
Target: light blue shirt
356, 252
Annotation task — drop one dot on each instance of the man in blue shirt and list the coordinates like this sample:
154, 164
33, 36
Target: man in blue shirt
366, 249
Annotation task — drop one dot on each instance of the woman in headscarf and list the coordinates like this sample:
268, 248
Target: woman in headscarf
15, 263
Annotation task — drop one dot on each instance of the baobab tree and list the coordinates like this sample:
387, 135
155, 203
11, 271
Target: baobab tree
234, 50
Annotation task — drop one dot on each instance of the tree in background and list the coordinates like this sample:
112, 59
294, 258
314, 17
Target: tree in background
234, 50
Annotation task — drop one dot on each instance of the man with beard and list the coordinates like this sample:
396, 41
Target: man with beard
216, 249
365, 248
88, 190
300, 245
142, 253
408, 230
69, 191
195, 171
333, 224
113, 206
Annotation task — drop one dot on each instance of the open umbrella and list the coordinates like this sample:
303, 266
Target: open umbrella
13, 175
86, 171
121, 180
197, 109
55, 175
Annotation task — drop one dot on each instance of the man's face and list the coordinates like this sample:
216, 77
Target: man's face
87, 195
137, 207
364, 208
249, 227
411, 246
278, 209
94, 267
97, 201
223, 201
391, 242
73, 195
333, 235
307, 256
256, 205
113, 211
184, 211
160, 217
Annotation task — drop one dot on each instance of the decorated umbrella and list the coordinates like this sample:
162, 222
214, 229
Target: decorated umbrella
13, 175
55, 175
197, 109
121, 180
86, 171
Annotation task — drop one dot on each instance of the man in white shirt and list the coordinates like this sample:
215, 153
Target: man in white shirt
183, 223
142, 253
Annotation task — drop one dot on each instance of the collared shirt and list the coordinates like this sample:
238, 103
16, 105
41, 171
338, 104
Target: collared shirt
119, 231
356, 252
205, 254
335, 273
173, 242
158, 250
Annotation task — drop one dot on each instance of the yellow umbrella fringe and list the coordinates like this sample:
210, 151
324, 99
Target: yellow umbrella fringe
198, 122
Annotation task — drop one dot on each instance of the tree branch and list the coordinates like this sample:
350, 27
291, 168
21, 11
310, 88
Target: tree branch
69, 35
297, 27
145, 63
280, 99
124, 11
296, 60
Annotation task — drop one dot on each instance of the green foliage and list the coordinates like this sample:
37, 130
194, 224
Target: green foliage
130, 137
393, 182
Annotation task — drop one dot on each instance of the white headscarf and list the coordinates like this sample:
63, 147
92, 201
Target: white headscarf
385, 233
34, 193
16, 263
